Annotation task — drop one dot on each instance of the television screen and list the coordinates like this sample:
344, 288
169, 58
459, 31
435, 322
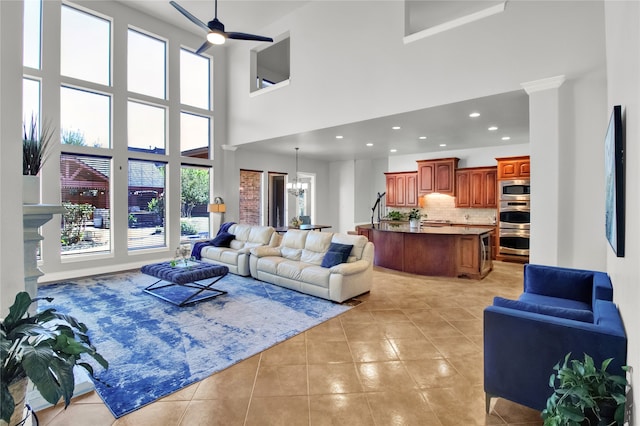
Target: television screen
614, 182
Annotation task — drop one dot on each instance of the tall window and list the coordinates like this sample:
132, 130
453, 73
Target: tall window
146, 59
195, 97
194, 198
146, 127
195, 87
86, 197
147, 183
85, 46
30, 100
32, 34
85, 118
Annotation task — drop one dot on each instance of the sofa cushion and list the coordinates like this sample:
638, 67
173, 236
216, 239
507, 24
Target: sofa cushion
557, 302
260, 235
358, 242
223, 239
315, 247
568, 313
559, 282
337, 253
292, 244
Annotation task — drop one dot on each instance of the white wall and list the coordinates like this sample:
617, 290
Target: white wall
361, 69
623, 88
11, 247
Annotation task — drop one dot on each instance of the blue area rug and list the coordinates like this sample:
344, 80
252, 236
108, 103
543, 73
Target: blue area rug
155, 348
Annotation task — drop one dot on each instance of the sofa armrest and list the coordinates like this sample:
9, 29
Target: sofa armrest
264, 251
602, 287
350, 268
521, 348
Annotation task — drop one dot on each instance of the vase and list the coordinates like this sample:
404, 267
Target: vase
414, 223
18, 391
30, 189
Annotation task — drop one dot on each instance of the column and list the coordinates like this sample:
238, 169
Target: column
544, 141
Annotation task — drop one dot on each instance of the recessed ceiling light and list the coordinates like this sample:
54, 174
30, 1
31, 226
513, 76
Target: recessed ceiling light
422, 137
492, 128
393, 150
474, 114
506, 138
443, 144
369, 144
339, 137
396, 127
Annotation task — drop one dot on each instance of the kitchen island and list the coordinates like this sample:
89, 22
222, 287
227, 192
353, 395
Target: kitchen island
444, 251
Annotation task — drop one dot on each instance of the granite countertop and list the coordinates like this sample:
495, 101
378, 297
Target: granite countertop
440, 230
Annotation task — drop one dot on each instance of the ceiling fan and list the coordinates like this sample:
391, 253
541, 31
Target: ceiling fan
215, 29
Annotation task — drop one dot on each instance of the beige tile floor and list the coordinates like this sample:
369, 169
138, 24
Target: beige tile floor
410, 354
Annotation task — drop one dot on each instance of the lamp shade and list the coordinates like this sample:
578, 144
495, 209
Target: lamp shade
217, 208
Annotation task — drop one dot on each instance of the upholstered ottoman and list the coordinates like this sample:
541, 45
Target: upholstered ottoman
184, 276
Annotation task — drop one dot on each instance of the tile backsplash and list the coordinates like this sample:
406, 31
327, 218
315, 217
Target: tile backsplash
443, 207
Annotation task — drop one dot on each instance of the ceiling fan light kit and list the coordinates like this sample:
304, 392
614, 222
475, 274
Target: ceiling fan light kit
215, 29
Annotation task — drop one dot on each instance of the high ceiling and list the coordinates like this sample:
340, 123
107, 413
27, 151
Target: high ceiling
447, 124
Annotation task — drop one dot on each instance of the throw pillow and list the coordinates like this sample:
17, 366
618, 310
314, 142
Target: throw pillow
337, 253
223, 239
572, 314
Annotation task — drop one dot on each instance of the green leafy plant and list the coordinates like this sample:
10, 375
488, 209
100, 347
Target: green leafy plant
395, 215
45, 347
35, 146
187, 229
415, 214
74, 220
585, 395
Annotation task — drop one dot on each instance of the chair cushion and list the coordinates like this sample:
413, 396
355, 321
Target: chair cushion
557, 302
223, 239
560, 282
337, 253
568, 313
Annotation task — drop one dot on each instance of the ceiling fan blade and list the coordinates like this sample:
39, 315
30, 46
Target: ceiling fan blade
189, 16
245, 36
205, 46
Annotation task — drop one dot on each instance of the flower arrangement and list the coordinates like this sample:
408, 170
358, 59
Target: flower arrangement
183, 254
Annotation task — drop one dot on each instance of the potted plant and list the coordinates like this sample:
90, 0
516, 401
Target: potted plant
414, 218
45, 348
35, 149
585, 395
394, 215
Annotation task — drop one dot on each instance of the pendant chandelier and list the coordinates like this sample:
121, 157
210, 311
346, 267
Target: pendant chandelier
296, 187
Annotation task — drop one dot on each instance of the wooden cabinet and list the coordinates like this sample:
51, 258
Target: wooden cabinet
402, 189
476, 187
513, 167
437, 176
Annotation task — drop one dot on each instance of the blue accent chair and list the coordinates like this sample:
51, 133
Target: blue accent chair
562, 310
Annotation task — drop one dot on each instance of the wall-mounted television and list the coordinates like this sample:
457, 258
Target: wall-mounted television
614, 181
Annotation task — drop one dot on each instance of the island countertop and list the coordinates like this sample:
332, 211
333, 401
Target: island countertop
438, 230
445, 251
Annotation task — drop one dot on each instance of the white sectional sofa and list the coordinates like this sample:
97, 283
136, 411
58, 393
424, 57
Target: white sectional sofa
236, 256
296, 264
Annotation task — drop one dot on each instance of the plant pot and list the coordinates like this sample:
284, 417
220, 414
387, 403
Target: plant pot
414, 223
607, 414
18, 391
30, 189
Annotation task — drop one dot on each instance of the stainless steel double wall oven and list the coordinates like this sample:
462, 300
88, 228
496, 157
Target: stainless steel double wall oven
514, 214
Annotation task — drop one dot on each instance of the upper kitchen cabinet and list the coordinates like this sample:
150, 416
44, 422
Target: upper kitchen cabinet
402, 189
476, 187
437, 176
513, 167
